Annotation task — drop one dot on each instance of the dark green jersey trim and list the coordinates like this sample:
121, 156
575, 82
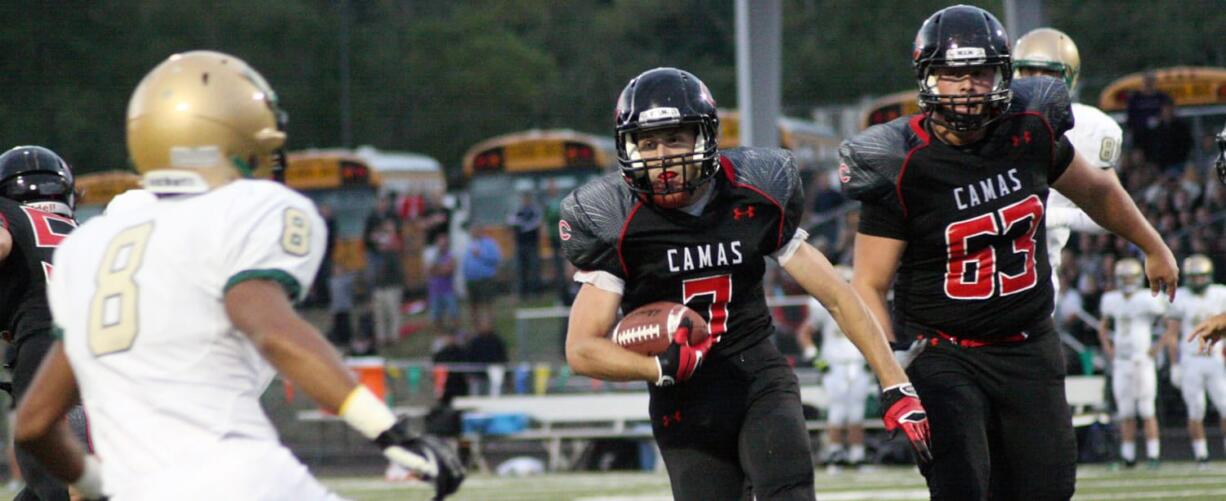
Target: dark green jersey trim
287, 281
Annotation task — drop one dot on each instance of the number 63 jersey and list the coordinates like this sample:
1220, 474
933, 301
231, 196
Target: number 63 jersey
975, 263
138, 296
712, 261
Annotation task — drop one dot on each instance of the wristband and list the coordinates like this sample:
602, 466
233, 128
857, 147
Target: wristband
89, 484
366, 413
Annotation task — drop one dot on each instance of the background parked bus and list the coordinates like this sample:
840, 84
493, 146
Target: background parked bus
499, 170
98, 188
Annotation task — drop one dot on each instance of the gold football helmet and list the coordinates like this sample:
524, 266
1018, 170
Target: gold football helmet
1048, 49
1129, 275
202, 119
1198, 272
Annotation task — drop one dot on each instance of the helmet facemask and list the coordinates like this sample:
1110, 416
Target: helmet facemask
1198, 272
962, 37
655, 178
1129, 275
986, 107
663, 101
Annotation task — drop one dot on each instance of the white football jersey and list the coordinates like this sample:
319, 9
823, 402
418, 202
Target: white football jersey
1133, 317
836, 348
1097, 137
138, 294
1191, 309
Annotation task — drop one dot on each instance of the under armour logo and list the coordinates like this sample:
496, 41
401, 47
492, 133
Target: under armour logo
746, 212
1024, 138
668, 420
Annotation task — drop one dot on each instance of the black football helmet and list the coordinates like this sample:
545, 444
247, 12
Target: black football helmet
663, 98
957, 37
36, 176
1221, 156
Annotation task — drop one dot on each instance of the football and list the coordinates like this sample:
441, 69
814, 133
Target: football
649, 328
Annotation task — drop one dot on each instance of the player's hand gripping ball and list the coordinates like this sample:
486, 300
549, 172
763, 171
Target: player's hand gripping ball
677, 336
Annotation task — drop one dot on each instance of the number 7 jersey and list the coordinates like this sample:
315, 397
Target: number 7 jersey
139, 298
712, 262
975, 263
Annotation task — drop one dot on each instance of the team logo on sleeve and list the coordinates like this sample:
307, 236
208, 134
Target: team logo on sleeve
563, 229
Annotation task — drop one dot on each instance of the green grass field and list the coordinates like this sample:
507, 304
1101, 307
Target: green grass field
1172, 481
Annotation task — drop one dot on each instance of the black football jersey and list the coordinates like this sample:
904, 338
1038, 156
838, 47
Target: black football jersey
24, 273
975, 264
713, 262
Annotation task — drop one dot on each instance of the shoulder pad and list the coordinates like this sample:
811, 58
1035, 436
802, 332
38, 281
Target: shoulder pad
771, 170
869, 162
591, 221
1046, 96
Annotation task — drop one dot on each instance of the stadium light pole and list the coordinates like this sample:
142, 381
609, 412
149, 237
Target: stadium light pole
758, 70
1021, 16
346, 112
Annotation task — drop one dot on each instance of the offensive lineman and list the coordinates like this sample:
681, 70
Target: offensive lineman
1096, 136
37, 198
174, 314
846, 382
953, 203
1126, 334
685, 222
1192, 371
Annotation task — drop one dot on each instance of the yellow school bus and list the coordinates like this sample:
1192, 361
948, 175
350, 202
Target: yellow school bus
345, 183
1188, 86
886, 108
810, 143
501, 169
98, 188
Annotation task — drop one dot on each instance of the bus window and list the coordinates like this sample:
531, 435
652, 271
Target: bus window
501, 169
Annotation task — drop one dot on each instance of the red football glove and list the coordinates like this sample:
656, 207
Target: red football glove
903, 410
681, 359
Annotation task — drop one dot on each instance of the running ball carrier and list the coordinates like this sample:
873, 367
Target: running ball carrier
685, 223
630, 228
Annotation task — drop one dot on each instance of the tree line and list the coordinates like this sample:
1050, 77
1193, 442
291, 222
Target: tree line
438, 77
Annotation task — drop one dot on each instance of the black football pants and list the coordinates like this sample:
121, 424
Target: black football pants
1001, 427
40, 485
735, 430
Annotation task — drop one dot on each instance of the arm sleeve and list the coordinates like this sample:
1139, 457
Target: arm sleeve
582, 240
881, 218
1062, 157
793, 203
282, 240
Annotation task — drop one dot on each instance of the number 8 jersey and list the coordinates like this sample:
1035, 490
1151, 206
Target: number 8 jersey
712, 261
138, 296
975, 264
